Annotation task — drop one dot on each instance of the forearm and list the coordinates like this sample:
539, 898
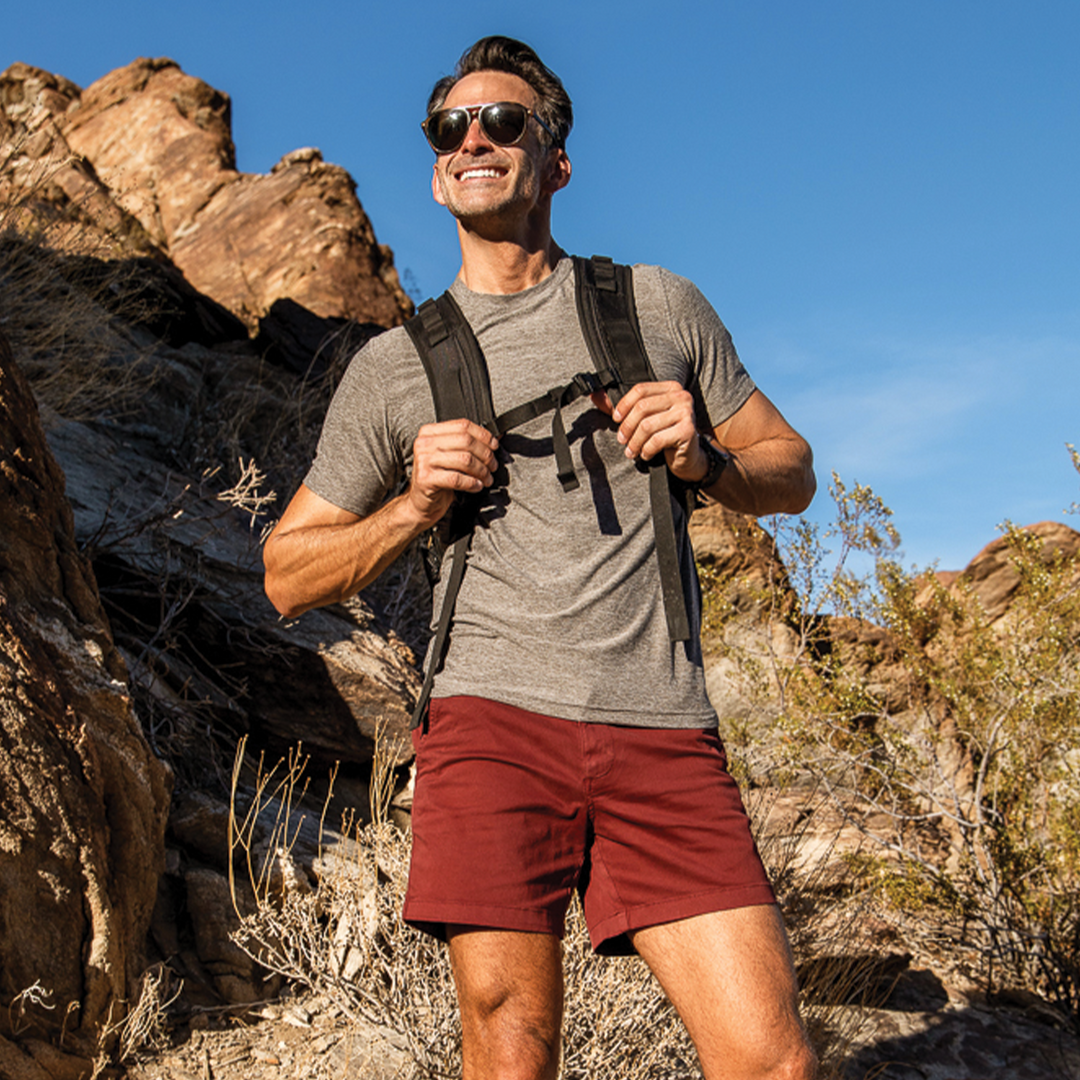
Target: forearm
774, 476
307, 567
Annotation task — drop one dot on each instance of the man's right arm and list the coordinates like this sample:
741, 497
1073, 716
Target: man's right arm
320, 554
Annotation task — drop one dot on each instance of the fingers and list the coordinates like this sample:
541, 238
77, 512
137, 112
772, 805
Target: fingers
452, 456
655, 417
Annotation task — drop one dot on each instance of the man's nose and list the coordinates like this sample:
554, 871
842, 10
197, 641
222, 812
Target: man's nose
475, 139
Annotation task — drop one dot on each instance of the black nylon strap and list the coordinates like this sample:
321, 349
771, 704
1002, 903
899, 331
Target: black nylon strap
457, 375
437, 648
453, 362
564, 463
587, 382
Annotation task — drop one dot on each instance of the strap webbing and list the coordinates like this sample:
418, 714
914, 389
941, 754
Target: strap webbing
437, 648
587, 382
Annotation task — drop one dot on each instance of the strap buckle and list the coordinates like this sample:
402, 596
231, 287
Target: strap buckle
588, 382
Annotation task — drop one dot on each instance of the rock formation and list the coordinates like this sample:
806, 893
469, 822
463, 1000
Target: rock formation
992, 577
152, 163
167, 503
83, 800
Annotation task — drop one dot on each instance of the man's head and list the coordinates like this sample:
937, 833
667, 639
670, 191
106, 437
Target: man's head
499, 158
496, 53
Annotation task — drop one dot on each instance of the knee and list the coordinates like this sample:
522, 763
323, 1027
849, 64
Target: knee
800, 1063
781, 1060
514, 1039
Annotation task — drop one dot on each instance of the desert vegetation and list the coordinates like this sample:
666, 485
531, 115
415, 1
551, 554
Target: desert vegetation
942, 724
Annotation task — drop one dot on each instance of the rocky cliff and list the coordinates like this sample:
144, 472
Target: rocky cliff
146, 155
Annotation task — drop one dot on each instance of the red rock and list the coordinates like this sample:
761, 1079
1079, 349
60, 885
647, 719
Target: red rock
161, 140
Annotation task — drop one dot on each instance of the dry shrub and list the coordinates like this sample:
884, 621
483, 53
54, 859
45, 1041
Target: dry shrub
60, 278
144, 1027
946, 740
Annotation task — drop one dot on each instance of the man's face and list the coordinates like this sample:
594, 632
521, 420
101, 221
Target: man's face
480, 180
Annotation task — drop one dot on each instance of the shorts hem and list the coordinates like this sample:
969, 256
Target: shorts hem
609, 936
431, 917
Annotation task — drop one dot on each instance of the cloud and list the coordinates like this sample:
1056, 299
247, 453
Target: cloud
882, 408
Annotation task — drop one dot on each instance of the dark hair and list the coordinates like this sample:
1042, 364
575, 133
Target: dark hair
499, 53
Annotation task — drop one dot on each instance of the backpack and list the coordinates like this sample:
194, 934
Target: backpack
460, 387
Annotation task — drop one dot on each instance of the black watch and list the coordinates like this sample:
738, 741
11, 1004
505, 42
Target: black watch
717, 462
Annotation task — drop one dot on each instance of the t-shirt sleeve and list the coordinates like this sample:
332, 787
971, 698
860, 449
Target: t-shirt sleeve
365, 448
690, 343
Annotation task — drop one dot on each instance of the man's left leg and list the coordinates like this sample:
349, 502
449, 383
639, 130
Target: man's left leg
731, 978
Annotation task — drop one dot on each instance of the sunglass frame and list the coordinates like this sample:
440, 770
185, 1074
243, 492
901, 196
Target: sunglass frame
476, 112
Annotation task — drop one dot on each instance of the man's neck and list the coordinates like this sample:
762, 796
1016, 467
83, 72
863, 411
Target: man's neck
505, 266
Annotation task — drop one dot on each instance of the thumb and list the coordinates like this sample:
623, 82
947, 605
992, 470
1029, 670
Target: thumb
602, 402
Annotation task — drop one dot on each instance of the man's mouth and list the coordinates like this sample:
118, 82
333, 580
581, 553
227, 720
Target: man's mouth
486, 173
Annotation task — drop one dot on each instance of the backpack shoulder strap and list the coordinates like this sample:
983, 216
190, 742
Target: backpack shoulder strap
460, 387
454, 363
605, 301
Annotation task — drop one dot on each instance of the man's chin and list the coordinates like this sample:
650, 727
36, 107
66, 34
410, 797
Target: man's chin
479, 218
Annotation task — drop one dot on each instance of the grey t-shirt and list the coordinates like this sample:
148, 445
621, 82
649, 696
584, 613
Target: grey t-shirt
560, 610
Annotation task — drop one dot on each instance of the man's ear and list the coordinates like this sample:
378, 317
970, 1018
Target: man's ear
436, 186
557, 174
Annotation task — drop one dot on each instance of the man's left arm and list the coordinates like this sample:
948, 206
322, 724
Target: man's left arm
770, 468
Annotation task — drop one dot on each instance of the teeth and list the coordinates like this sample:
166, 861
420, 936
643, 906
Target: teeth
469, 173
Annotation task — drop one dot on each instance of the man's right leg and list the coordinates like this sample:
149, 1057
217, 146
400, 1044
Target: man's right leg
510, 992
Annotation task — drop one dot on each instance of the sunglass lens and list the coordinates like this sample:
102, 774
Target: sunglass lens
504, 122
446, 129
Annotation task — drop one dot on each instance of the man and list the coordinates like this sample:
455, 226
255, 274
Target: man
570, 743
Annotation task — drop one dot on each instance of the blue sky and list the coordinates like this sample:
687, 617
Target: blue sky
880, 198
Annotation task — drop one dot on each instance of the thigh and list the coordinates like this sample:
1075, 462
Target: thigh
510, 992
730, 976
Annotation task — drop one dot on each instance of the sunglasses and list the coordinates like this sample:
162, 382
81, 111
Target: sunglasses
502, 122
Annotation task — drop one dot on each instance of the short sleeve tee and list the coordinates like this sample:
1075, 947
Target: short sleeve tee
560, 610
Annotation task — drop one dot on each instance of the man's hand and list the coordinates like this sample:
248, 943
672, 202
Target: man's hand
320, 554
655, 417
771, 468
452, 456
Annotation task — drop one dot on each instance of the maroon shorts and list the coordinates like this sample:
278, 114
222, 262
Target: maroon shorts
514, 810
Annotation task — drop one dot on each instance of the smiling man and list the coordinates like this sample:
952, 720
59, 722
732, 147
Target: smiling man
569, 743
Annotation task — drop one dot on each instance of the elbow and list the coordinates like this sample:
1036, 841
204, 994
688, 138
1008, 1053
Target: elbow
278, 599
808, 480
276, 585
802, 483
278, 595
807, 488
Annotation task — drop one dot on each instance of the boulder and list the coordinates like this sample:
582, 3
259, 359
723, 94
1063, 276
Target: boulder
46, 186
748, 601
737, 552
83, 800
993, 578
161, 141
